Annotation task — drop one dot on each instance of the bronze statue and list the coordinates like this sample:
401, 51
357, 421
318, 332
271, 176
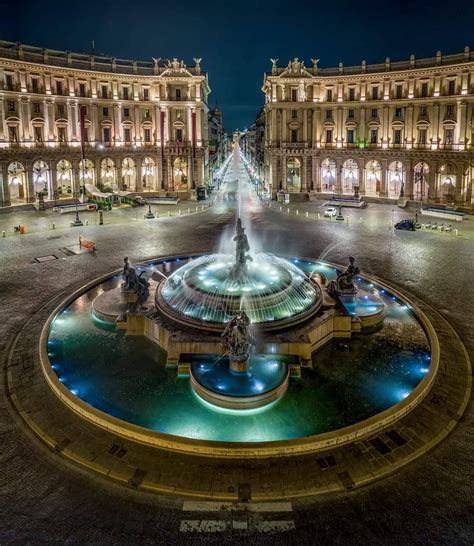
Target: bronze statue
236, 338
241, 247
344, 284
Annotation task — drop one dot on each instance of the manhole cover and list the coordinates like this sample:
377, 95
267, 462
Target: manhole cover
53, 237
41, 259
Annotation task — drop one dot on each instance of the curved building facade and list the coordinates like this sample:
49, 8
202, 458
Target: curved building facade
144, 124
385, 130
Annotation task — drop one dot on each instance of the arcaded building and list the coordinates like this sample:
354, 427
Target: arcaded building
381, 130
144, 124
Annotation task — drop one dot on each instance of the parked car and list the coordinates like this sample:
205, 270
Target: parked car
139, 200
330, 212
406, 225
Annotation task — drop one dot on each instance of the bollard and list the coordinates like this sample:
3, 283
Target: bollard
307, 214
297, 212
455, 232
319, 216
101, 218
197, 208
87, 222
3, 233
179, 212
157, 215
281, 208
54, 225
189, 210
169, 213
288, 210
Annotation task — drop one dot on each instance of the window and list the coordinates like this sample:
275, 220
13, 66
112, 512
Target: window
9, 82
450, 110
179, 135
106, 134
62, 134
448, 136
59, 87
34, 85
329, 95
13, 134
374, 112
125, 93
146, 113
375, 92
451, 87
60, 109
423, 111
38, 133
11, 105
329, 136
350, 136
351, 93
294, 135
328, 114
350, 114
294, 95
421, 136
294, 114
399, 91
126, 112
398, 112
37, 108
146, 93
424, 89
105, 111
127, 136
104, 91
147, 135
82, 89
178, 94
397, 136
374, 136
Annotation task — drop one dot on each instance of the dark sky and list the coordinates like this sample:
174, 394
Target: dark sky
236, 39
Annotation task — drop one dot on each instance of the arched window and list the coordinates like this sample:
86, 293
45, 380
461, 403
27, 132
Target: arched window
42, 179
446, 183
328, 175
420, 181
350, 176
17, 182
396, 179
64, 178
373, 177
107, 173
148, 174
129, 174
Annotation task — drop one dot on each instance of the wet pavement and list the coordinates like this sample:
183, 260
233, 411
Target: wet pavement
45, 499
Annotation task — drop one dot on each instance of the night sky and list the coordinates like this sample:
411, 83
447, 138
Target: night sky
236, 39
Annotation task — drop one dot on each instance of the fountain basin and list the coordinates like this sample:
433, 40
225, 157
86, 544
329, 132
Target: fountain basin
265, 381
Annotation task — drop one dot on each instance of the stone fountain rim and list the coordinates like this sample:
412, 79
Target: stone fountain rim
279, 448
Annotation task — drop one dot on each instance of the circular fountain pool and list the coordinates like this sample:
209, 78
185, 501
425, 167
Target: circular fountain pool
128, 377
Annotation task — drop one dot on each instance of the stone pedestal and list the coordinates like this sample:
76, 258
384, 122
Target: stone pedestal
239, 363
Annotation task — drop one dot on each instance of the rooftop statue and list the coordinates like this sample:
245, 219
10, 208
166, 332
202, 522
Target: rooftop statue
241, 247
296, 66
344, 285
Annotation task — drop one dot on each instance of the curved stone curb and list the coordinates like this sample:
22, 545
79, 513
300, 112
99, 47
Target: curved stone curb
156, 469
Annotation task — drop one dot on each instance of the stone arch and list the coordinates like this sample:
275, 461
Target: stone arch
42, 179
129, 174
328, 175
149, 174
180, 173
86, 172
350, 176
396, 177
108, 172
447, 182
373, 177
293, 174
17, 182
421, 172
65, 178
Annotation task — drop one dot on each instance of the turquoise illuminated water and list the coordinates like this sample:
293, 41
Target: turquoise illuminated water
351, 380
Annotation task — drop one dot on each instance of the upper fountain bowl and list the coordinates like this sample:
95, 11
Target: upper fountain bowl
206, 294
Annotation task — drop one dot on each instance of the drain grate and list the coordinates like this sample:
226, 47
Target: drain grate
380, 446
117, 451
396, 437
66, 251
53, 237
326, 462
48, 258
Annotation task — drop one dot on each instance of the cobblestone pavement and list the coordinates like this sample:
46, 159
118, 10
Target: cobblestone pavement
44, 499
